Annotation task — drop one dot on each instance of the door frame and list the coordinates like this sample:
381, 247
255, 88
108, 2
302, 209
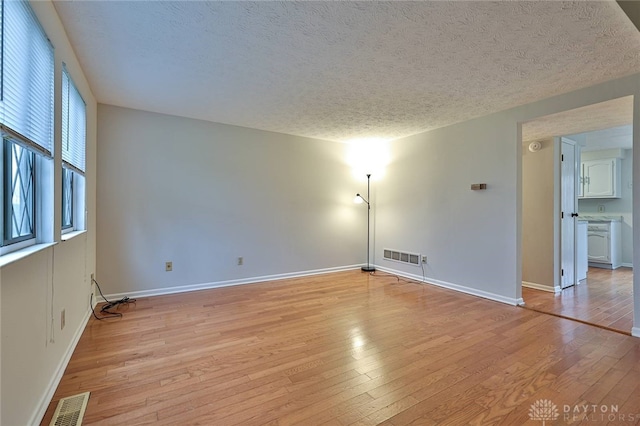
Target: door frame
610, 95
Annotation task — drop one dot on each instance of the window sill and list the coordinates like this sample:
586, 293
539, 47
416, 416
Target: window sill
22, 253
73, 234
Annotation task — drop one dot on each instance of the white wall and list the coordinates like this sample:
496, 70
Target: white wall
622, 206
538, 181
472, 238
202, 194
425, 205
35, 289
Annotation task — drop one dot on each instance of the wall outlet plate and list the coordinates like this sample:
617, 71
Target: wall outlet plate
168, 266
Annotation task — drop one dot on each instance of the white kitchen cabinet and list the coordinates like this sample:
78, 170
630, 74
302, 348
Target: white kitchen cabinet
604, 242
600, 179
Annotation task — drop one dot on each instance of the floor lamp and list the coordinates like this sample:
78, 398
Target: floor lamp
359, 199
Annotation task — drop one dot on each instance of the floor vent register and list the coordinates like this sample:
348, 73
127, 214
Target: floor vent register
70, 410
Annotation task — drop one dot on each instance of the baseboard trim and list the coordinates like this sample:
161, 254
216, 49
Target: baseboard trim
455, 287
228, 283
627, 265
38, 415
541, 287
635, 331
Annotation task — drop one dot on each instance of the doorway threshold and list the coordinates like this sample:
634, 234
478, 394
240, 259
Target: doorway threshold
604, 327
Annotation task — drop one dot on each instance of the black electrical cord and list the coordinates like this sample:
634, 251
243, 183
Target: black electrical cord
105, 308
93, 311
397, 277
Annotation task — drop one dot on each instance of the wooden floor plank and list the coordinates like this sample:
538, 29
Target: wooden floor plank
347, 348
605, 299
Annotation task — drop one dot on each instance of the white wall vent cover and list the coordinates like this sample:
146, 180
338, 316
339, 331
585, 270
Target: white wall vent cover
70, 410
403, 257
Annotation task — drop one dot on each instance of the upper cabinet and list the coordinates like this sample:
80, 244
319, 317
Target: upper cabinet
600, 178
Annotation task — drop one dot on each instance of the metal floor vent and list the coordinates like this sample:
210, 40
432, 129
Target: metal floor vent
70, 410
398, 256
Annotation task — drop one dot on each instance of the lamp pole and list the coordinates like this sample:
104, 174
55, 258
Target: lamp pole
368, 268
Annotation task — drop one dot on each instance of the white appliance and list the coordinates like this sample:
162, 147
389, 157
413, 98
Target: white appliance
604, 242
581, 249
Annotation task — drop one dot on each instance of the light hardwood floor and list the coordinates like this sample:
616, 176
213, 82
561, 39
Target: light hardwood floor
606, 299
346, 348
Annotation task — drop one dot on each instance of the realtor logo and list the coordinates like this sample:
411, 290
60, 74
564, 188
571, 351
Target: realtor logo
543, 410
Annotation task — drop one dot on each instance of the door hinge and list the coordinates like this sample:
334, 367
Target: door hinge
562, 272
562, 157
561, 215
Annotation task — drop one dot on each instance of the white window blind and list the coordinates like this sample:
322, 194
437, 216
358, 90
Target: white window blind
74, 125
27, 78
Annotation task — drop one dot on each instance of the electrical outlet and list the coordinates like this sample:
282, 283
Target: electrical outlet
168, 266
240, 261
92, 277
600, 208
424, 259
62, 319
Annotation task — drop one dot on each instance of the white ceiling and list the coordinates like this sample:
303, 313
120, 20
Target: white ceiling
614, 137
345, 70
597, 117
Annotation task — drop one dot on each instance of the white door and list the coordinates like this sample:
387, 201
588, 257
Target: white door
581, 180
568, 197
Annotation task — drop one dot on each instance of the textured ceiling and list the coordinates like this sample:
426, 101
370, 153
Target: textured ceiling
604, 115
345, 70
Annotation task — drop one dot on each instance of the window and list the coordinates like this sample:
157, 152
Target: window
19, 189
74, 125
27, 77
67, 199
26, 122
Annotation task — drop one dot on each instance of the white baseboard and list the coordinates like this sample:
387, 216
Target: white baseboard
252, 280
635, 331
627, 265
228, 283
456, 287
38, 415
542, 287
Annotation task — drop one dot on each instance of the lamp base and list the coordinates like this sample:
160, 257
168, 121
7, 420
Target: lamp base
368, 269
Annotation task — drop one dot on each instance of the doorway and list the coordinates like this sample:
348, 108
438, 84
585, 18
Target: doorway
605, 297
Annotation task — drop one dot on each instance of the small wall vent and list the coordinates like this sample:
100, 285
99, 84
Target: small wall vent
403, 257
70, 410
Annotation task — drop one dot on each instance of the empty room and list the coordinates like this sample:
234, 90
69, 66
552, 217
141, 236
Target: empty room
310, 212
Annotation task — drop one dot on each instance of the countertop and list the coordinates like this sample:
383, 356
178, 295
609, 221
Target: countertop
599, 218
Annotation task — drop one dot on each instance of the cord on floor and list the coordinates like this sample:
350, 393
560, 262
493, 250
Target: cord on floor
105, 309
397, 277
